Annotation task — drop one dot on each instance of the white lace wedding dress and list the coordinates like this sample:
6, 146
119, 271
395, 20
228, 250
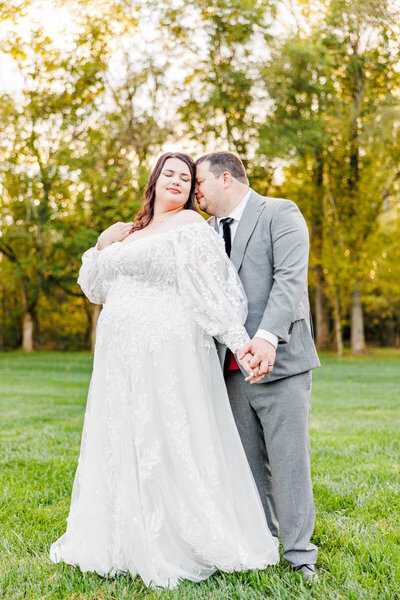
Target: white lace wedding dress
163, 488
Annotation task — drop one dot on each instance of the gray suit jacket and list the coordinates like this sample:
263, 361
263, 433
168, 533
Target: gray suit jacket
270, 253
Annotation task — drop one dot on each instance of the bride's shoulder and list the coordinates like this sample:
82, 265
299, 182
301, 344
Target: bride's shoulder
189, 216
189, 223
193, 230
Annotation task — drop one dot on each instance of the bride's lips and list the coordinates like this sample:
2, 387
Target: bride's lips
174, 190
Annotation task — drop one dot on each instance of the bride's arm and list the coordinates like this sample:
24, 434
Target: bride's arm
89, 278
210, 286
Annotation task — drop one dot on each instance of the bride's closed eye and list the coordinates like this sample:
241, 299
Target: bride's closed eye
184, 178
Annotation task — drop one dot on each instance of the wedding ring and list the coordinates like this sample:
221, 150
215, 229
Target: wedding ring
270, 364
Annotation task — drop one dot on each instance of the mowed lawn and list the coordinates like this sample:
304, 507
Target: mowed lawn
355, 436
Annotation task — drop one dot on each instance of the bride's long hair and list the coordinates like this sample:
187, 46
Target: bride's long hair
146, 213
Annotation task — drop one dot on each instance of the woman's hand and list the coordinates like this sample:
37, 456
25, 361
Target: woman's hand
245, 362
115, 233
263, 357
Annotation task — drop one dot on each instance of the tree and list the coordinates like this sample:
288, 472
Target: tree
338, 114
42, 130
298, 81
360, 36
219, 90
75, 148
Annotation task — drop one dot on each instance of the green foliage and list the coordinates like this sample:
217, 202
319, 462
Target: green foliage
382, 299
220, 84
10, 307
36, 173
74, 153
335, 121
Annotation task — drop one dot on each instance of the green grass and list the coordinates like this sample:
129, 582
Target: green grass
356, 449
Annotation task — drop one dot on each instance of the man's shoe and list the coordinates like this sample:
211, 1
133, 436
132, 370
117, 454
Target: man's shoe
308, 572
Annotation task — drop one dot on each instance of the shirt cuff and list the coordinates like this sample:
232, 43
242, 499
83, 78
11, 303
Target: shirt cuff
268, 337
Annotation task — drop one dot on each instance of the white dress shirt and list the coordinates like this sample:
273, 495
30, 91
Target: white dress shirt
236, 215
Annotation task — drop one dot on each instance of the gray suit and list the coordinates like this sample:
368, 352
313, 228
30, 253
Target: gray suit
270, 252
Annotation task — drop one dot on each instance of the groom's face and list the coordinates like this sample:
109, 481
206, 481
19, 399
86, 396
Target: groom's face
209, 189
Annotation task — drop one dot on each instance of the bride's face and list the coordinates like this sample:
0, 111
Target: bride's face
173, 184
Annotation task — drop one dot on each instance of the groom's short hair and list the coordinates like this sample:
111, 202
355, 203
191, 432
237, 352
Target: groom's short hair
222, 162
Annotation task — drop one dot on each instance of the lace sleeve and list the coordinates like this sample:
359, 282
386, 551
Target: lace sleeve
89, 279
209, 285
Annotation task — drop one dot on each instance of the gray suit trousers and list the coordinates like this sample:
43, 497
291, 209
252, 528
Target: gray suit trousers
273, 423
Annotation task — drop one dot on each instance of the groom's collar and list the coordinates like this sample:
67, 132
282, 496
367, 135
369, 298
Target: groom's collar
252, 203
251, 214
238, 211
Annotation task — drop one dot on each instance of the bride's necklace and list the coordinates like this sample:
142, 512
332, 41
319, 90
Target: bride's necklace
161, 218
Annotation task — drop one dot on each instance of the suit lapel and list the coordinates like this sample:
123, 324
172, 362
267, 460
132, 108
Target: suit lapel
246, 226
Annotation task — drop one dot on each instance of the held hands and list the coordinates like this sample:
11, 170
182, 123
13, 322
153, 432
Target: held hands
115, 233
257, 357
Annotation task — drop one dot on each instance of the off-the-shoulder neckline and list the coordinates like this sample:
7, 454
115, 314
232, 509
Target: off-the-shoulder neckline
176, 229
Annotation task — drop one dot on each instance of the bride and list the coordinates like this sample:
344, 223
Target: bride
163, 488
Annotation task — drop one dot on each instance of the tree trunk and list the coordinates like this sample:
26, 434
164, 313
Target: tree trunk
357, 322
323, 334
28, 322
95, 315
397, 339
27, 333
338, 325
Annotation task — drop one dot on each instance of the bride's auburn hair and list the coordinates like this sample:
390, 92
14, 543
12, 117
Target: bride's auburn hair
146, 213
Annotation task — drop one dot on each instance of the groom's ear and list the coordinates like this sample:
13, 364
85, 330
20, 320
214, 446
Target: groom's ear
226, 179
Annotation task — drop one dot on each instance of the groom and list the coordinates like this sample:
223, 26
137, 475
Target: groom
267, 240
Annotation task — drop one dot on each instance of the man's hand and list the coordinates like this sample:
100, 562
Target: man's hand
263, 358
253, 375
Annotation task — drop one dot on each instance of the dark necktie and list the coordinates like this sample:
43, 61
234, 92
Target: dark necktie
226, 231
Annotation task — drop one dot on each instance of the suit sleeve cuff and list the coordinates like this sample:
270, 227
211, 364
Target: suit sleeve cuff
268, 337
